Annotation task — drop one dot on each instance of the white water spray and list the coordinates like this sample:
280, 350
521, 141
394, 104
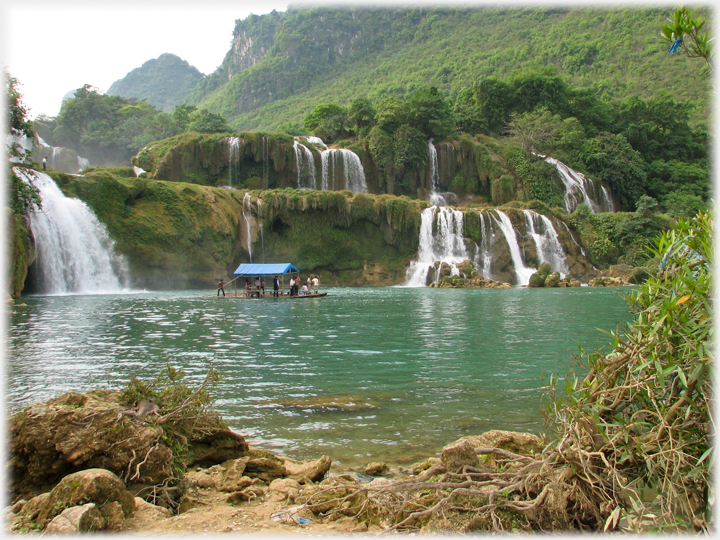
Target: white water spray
233, 158
549, 249
580, 188
75, 254
441, 239
483, 257
347, 160
522, 272
305, 166
247, 216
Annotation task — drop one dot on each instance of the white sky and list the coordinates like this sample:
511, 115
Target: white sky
53, 47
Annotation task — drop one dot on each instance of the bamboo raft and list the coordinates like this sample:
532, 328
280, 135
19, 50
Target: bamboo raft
279, 271
268, 295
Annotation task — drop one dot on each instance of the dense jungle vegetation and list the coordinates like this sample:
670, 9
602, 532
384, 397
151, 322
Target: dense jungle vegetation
635, 146
282, 64
164, 82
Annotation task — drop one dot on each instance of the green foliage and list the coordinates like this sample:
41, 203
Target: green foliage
164, 82
297, 58
327, 121
687, 25
535, 131
108, 130
540, 177
611, 159
16, 117
644, 410
183, 410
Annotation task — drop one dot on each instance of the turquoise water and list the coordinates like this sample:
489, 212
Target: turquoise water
363, 374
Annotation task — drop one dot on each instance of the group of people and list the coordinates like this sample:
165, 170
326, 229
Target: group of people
311, 284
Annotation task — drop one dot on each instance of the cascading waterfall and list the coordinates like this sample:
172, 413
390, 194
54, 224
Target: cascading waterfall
266, 164
573, 238
435, 197
522, 272
233, 158
315, 140
341, 158
483, 256
247, 216
441, 239
75, 254
260, 223
579, 188
549, 249
305, 166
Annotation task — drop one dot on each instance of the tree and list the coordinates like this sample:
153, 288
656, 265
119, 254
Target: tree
610, 158
430, 113
22, 194
327, 121
17, 120
207, 122
535, 131
684, 31
361, 116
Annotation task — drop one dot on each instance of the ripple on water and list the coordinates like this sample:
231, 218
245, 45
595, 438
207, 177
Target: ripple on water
437, 364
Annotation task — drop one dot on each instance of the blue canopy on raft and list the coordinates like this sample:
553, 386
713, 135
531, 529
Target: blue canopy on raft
249, 269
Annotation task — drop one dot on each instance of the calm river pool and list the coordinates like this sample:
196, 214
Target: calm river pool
364, 374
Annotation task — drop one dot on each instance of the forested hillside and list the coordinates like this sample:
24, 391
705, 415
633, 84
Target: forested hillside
282, 64
164, 82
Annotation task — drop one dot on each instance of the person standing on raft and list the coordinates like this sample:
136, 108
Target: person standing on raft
221, 287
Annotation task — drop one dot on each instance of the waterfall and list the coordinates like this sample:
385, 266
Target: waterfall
573, 238
305, 165
336, 158
260, 223
315, 140
75, 254
435, 197
265, 162
549, 249
579, 188
441, 239
483, 257
233, 158
522, 272
247, 202
607, 201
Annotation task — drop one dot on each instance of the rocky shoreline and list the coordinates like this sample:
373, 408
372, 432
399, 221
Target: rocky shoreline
82, 463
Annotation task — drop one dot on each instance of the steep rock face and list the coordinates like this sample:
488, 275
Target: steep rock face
22, 253
255, 160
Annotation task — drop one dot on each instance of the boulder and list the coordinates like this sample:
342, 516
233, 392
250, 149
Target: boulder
149, 511
553, 280
96, 431
458, 455
202, 479
304, 471
377, 469
525, 444
233, 476
217, 447
285, 488
266, 469
93, 485
85, 518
